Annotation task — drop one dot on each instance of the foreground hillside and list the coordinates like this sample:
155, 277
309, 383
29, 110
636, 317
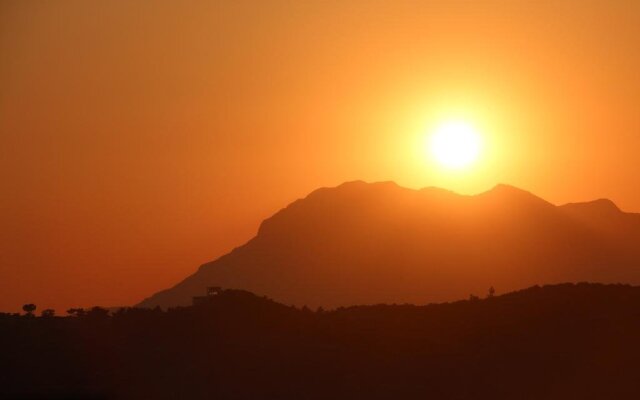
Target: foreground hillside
362, 243
554, 342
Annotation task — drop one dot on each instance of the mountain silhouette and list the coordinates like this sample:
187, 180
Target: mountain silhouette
369, 243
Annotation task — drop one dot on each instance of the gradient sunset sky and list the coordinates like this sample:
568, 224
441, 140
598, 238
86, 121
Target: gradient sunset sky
139, 139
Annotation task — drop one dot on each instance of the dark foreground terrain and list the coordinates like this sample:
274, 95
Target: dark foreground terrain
554, 342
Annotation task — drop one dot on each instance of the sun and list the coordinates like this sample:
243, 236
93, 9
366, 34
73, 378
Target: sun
455, 144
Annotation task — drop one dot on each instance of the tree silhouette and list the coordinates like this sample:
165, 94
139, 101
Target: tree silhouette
491, 293
29, 309
78, 312
48, 313
98, 312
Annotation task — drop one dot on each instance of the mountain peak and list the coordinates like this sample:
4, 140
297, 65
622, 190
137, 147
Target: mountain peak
503, 188
355, 187
599, 206
362, 184
512, 195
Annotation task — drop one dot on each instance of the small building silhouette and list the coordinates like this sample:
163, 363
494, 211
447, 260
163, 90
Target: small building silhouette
212, 291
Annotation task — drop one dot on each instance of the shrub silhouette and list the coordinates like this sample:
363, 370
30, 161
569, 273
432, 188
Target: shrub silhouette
97, 313
48, 313
78, 312
29, 308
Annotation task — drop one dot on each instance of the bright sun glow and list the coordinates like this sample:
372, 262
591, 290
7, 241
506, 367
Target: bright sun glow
455, 144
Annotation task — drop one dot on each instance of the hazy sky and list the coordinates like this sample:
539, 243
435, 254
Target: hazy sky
139, 139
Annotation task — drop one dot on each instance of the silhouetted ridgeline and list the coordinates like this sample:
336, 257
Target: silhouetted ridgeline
554, 342
370, 243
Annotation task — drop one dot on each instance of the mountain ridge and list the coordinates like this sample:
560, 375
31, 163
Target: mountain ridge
363, 243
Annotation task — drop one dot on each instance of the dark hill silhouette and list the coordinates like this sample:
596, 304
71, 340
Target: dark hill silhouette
362, 243
554, 342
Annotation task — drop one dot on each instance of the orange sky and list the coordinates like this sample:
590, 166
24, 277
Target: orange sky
139, 139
